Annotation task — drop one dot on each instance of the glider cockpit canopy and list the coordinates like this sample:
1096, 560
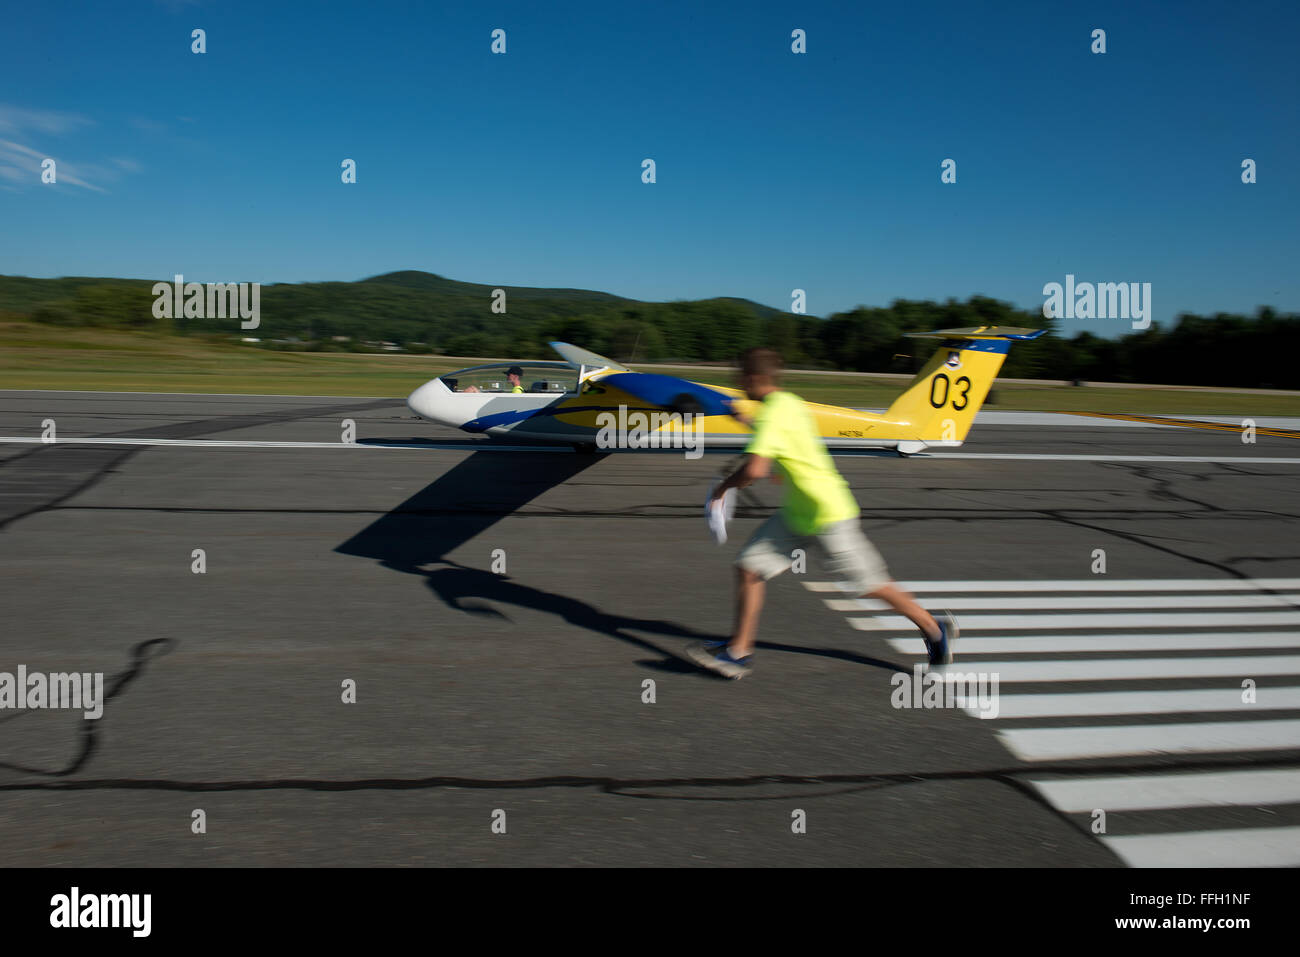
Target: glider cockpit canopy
555, 378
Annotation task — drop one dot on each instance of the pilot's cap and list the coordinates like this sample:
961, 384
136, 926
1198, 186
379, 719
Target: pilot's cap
515, 370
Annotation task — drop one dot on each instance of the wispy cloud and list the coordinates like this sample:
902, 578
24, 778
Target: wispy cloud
20, 163
163, 132
146, 125
16, 119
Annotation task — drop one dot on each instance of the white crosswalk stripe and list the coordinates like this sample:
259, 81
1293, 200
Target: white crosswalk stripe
1040, 603
1057, 744
1029, 644
1195, 585
1240, 847
1133, 669
1036, 622
1185, 701
1232, 646
1153, 792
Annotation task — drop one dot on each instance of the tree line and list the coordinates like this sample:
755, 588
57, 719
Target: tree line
424, 313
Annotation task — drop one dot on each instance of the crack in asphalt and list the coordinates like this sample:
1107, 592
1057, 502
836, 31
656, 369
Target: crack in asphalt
141, 654
641, 788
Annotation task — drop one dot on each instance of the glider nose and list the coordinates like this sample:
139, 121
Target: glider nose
428, 401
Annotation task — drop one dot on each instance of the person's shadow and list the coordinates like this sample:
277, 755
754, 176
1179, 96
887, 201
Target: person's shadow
417, 536
465, 501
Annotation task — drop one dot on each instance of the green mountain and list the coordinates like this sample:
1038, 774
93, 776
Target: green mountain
422, 312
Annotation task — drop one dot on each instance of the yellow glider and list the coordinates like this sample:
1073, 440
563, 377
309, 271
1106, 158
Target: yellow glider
590, 401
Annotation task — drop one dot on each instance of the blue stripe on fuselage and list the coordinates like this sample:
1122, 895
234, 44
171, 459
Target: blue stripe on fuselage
664, 390
496, 419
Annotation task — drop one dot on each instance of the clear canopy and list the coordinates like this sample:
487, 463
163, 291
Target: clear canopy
553, 378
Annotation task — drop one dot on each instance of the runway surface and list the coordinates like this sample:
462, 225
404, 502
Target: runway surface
1164, 692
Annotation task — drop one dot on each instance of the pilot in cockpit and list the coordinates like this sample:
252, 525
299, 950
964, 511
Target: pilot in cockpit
514, 375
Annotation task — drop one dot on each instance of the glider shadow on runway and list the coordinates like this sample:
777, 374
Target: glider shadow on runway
418, 535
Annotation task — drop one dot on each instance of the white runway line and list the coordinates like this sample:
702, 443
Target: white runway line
1158, 792
986, 416
68, 393
252, 444
467, 445
1153, 641
1246, 619
1072, 744
1242, 847
1227, 698
1067, 420
1039, 602
1132, 669
919, 588
1048, 457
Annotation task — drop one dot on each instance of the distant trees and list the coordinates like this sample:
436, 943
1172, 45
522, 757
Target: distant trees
427, 313
632, 340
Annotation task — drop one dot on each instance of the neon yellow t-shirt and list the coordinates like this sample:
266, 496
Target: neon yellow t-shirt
816, 495
517, 389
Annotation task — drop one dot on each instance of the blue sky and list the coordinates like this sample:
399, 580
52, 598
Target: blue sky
775, 171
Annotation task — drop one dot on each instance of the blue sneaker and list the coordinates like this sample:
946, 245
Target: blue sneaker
715, 657
940, 649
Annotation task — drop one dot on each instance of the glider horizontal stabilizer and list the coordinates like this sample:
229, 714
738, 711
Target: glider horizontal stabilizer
980, 332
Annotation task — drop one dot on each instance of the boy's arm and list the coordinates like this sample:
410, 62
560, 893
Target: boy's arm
763, 448
753, 468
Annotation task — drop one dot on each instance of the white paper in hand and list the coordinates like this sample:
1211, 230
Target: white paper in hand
720, 513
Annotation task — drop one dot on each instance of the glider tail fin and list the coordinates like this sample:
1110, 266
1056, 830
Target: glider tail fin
941, 401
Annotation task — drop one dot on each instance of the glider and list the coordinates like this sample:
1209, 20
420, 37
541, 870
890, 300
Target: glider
589, 401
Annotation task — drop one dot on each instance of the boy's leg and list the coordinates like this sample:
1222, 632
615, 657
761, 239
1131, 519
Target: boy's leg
750, 589
765, 555
906, 605
857, 562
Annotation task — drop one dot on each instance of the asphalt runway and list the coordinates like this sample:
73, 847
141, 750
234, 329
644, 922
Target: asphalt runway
484, 694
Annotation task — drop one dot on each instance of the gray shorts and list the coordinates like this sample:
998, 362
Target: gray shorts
850, 557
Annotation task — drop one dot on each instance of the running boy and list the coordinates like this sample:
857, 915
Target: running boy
818, 506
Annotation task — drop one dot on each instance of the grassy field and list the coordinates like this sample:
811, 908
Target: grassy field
41, 357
